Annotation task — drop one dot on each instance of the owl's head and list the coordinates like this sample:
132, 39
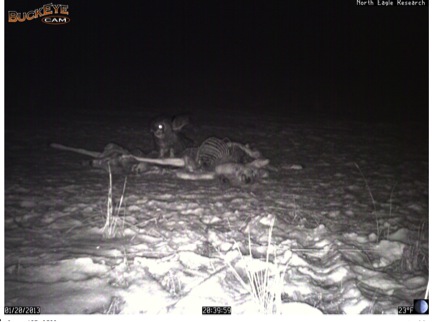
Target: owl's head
161, 127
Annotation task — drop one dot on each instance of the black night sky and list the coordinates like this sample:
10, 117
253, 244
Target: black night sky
326, 57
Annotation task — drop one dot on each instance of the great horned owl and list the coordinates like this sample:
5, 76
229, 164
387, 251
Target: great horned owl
168, 138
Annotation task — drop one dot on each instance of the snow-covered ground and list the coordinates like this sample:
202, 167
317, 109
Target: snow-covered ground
350, 229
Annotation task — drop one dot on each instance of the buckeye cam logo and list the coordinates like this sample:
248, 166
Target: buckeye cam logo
51, 14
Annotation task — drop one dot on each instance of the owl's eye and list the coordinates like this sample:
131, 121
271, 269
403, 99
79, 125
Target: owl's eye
159, 127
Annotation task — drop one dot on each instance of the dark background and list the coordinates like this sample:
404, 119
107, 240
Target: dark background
327, 58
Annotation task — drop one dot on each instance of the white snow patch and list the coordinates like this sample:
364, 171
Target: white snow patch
28, 203
225, 247
335, 275
296, 260
292, 167
210, 219
188, 247
165, 196
66, 270
349, 213
134, 208
356, 237
416, 207
127, 232
354, 306
401, 235
372, 237
214, 239
334, 213
389, 251
197, 211
350, 290
416, 282
149, 297
193, 261
88, 210
267, 221
29, 216
380, 282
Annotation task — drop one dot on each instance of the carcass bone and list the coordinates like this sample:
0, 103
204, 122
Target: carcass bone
174, 162
121, 154
76, 150
235, 173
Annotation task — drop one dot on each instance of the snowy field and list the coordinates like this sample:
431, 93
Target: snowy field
349, 231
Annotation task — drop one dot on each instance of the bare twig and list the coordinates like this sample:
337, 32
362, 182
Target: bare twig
373, 200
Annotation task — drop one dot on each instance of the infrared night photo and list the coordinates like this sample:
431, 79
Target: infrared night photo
216, 157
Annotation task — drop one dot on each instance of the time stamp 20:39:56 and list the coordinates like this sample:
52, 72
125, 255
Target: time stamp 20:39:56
216, 310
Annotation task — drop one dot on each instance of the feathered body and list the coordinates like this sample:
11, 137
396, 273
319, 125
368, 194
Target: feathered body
168, 138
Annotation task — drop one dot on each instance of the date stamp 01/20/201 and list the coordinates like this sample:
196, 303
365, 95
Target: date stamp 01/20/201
22, 310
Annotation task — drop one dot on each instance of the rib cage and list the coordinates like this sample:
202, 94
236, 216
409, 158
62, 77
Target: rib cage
212, 152
215, 151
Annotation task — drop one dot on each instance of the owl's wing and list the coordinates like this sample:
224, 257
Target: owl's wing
179, 122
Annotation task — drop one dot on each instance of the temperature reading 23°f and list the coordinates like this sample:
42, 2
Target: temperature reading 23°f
405, 309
